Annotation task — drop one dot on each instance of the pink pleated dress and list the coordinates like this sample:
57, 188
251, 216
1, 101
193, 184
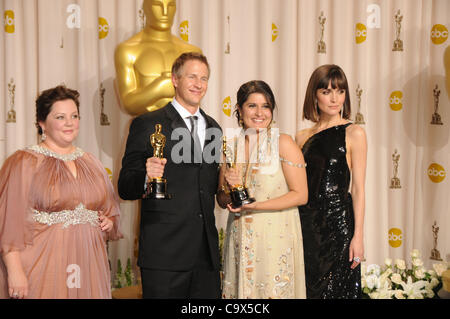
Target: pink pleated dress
52, 218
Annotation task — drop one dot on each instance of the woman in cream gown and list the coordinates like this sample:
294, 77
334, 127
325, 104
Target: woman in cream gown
263, 250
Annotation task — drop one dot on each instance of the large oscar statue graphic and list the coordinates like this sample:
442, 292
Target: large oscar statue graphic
144, 62
238, 193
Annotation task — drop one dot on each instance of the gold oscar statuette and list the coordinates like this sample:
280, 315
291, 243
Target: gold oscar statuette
321, 46
398, 44
12, 91
157, 187
395, 181
359, 118
238, 193
435, 254
436, 117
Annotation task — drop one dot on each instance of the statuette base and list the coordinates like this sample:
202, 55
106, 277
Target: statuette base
156, 189
240, 197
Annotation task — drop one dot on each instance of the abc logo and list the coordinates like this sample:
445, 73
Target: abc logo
436, 173
184, 30
109, 172
274, 32
9, 21
439, 34
395, 100
360, 33
103, 28
226, 106
395, 237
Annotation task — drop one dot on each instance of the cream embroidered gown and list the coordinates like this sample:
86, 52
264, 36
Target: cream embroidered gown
263, 251
51, 217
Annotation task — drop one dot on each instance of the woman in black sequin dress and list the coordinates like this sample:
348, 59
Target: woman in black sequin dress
335, 151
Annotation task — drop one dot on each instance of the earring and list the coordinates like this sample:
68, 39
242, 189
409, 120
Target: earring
342, 110
43, 137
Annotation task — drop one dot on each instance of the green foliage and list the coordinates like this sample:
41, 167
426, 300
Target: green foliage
124, 278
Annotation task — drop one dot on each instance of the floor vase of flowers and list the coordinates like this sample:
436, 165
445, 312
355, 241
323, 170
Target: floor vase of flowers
401, 281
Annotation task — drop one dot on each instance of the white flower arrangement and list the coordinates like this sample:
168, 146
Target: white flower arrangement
397, 281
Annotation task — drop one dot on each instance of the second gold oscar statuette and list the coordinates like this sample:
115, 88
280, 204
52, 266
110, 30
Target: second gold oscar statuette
239, 193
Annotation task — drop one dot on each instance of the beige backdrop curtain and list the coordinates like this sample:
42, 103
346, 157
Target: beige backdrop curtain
47, 42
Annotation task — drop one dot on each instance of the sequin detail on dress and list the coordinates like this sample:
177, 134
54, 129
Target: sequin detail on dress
80, 215
328, 219
63, 157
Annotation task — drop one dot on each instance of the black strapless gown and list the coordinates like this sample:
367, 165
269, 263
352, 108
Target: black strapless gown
327, 219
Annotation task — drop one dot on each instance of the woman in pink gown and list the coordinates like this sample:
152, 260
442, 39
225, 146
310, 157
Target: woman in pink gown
57, 209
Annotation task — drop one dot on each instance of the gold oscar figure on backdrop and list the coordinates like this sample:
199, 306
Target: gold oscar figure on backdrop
395, 181
104, 121
435, 254
12, 93
436, 118
238, 193
321, 46
144, 62
157, 187
228, 48
447, 69
398, 44
359, 118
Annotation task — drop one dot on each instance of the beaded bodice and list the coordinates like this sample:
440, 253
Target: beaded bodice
64, 157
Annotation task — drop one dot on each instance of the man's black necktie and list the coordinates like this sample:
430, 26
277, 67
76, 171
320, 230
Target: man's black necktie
194, 134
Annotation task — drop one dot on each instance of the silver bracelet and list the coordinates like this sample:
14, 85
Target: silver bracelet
292, 164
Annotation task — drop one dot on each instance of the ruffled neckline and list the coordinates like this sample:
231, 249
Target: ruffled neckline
77, 153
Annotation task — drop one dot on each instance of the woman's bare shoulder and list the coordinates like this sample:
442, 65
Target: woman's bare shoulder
302, 136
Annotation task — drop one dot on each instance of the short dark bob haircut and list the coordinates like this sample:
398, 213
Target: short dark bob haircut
320, 78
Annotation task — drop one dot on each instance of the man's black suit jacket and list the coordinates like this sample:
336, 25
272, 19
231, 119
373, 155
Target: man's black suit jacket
171, 230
